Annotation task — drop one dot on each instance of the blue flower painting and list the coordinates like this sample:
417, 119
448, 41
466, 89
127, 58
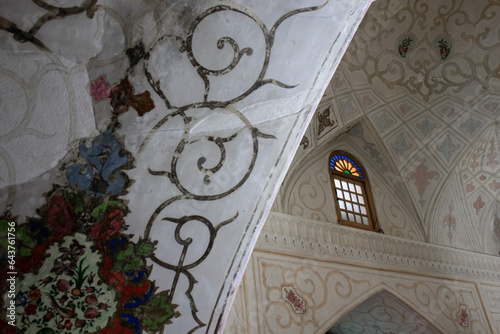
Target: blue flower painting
100, 175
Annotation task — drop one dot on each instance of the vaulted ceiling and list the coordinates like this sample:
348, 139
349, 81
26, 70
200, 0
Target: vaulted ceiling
418, 93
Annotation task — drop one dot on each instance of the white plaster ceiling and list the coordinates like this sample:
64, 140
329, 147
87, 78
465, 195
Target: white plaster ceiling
437, 118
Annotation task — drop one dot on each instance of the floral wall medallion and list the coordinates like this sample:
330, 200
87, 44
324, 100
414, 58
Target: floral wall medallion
463, 315
443, 44
297, 303
405, 44
68, 292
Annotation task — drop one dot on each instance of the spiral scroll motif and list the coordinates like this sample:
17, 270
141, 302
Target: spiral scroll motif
206, 185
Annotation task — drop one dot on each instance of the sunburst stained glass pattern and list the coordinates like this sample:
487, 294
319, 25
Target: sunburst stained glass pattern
343, 164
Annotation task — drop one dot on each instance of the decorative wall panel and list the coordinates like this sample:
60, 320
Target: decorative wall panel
336, 269
331, 290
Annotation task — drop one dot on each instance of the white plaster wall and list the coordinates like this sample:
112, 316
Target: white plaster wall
307, 192
331, 290
335, 268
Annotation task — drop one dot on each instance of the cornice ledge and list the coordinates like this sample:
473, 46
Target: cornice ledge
296, 236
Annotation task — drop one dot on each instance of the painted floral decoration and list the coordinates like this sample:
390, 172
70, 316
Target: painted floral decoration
66, 296
463, 315
99, 89
123, 97
289, 294
405, 46
100, 175
444, 48
324, 120
78, 272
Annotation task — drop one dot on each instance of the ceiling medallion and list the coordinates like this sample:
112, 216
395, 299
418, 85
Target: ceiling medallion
405, 44
443, 45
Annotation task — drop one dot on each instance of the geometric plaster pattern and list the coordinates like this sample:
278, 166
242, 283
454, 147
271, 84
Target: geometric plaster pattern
469, 26
425, 146
480, 167
427, 109
479, 172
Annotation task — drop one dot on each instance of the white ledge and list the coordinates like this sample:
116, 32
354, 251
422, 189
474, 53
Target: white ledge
330, 242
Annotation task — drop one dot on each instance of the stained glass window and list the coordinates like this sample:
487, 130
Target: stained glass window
351, 191
344, 164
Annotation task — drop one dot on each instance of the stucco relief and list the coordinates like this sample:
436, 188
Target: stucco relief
479, 169
315, 285
325, 241
439, 131
447, 110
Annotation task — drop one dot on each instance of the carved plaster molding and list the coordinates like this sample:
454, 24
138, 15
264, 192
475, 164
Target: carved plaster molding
296, 236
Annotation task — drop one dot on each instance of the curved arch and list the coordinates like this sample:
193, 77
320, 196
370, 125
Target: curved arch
376, 295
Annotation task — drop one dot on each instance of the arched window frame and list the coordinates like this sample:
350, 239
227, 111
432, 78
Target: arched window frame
363, 183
